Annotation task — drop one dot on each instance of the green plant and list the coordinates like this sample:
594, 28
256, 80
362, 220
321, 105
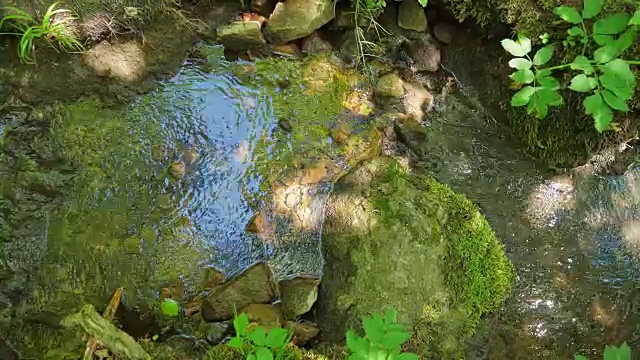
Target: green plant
258, 344
54, 29
604, 75
170, 307
613, 353
383, 339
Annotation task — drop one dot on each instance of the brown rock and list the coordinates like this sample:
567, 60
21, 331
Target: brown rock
289, 50
295, 19
177, 169
263, 7
302, 331
242, 35
265, 315
417, 101
443, 32
314, 44
424, 53
411, 16
389, 85
253, 286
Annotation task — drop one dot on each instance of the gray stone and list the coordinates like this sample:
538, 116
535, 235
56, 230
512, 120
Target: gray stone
295, 19
389, 85
298, 295
443, 32
240, 36
314, 44
411, 16
254, 286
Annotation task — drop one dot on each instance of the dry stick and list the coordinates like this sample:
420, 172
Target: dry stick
108, 314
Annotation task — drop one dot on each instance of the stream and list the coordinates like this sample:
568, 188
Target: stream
88, 205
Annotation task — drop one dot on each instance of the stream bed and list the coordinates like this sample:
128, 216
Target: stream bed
139, 196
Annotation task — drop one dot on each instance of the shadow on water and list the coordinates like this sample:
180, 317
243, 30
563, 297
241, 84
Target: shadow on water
567, 236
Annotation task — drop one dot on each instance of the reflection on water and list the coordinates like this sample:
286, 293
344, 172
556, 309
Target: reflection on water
567, 236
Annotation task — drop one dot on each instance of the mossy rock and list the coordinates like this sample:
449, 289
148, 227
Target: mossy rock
394, 239
223, 352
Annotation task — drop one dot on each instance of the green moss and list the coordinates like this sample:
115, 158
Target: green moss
409, 242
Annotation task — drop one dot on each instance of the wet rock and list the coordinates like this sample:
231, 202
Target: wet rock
389, 85
409, 132
302, 331
211, 277
290, 50
177, 169
190, 155
295, 19
298, 296
263, 7
425, 55
214, 332
348, 48
386, 234
258, 224
254, 286
358, 102
411, 16
319, 74
340, 134
417, 101
241, 35
443, 32
265, 315
314, 44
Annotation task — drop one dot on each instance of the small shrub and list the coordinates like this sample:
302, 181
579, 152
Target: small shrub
53, 31
383, 339
258, 344
604, 75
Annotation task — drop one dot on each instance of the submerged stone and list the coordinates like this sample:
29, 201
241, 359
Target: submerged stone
298, 295
295, 19
394, 239
411, 16
254, 286
177, 169
389, 85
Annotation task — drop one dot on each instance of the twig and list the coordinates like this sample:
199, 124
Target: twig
108, 314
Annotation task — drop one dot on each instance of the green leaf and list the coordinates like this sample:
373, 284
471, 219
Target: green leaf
277, 337
258, 336
357, 344
605, 53
170, 307
548, 96
251, 356
374, 328
522, 76
621, 69
543, 55
540, 74
582, 63
583, 83
408, 356
591, 8
520, 63
612, 24
568, 14
549, 82
595, 106
614, 101
617, 85
263, 353
624, 352
601, 39
390, 316
240, 324
610, 353
635, 20
580, 357
424, 3
394, 340
576, 31
517, 48
235, 342
625, 40
523, 96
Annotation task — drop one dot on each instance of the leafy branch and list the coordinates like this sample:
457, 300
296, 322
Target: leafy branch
383, 339
606, 76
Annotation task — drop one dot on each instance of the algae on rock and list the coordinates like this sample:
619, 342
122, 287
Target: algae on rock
393, 239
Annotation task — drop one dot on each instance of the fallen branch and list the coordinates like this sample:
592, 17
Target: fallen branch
108, 314
114, 339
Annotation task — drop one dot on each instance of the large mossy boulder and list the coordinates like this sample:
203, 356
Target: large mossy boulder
295, 19
401, 240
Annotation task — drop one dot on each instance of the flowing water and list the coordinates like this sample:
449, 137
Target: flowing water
88, 206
